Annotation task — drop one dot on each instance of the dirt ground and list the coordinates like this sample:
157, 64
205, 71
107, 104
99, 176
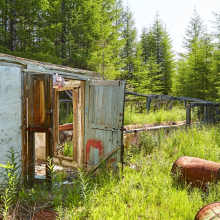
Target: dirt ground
40, 170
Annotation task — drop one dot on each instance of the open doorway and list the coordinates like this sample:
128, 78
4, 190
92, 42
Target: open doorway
40, 155
69, 124
67, 129
66, 117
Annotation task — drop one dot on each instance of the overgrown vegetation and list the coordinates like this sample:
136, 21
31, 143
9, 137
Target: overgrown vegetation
144, 190
102, 36
68, 148
65, 118
158, 117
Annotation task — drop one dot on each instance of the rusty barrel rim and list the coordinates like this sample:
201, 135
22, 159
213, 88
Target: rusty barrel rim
205, 207
176, 161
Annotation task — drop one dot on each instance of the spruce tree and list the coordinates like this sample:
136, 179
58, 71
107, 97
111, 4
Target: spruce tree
129, 34
197, 60
215, 78
157, 47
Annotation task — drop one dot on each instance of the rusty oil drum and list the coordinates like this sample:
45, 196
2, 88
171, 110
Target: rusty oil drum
210, 211
196, 171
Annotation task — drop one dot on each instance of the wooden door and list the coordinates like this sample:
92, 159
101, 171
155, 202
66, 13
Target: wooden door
40, 116
104, 113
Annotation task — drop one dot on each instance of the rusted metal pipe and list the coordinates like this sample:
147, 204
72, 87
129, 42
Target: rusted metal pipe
66, 127
196, 171
210, 211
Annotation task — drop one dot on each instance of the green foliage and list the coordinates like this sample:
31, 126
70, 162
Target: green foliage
11, 177
65, 118
146, 190
129, 34
68, 149
160, 116
196, 76
158, 57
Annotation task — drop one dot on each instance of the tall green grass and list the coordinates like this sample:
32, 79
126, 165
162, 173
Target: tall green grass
159, 116
144, 189
68, 148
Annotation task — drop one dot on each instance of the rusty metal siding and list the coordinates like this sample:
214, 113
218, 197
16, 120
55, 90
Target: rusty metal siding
103, 120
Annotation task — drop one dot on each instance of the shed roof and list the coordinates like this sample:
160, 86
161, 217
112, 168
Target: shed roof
28, 65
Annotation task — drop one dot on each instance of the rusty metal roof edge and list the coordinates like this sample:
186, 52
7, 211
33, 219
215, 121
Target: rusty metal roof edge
48, 66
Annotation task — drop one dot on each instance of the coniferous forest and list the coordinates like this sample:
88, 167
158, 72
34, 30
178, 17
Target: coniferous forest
101, 36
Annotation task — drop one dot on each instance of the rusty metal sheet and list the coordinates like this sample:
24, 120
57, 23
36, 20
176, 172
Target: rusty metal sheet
104, 104
209, 212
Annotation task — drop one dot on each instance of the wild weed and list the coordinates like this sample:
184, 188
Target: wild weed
85, 185
68, 148
11, 177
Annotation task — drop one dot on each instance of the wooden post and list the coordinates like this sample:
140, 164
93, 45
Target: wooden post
31, 157
75, 123
211, 113
67, 109
148, 101
188, 114
56, 120
24, 125
208, 113
217, 113
171, 105
49, 154
205, 113
199, 112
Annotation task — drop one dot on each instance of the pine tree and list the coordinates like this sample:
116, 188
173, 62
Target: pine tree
198, 60
157, 46
129, 34
215, 78
106, 56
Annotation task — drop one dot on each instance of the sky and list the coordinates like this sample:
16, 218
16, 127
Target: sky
175, 14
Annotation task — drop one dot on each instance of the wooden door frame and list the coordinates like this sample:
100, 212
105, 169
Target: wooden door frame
28, 133
78, 89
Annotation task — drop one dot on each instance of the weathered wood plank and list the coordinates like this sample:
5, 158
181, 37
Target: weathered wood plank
148, 101
49, 121
82, 123
105, 107
188, 114
75, 122
56, 119
105, 158
31, 142
23, 127
121, 121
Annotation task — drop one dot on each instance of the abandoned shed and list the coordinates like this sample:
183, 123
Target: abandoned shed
29, 104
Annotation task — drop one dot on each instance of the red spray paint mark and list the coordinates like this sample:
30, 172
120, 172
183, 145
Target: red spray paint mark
112, 160
95, 144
